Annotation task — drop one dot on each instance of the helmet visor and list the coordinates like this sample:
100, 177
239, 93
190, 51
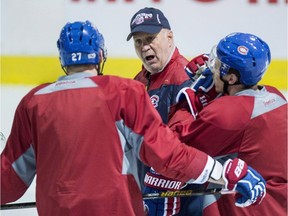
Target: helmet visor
215, 64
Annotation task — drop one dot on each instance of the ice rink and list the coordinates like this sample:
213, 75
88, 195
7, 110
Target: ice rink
10, 97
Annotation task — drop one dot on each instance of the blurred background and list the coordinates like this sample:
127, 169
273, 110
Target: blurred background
30, 29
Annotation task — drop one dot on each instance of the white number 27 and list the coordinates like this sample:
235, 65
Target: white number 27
76, 56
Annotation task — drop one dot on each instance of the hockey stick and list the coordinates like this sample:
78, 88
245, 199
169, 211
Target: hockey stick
186, 193
3, 140
18, 206
166, 194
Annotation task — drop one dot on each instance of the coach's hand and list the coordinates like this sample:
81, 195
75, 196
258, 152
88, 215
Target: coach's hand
245, 180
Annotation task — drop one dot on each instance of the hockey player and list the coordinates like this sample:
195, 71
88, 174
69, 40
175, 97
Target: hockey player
82, 135
248, 121
163, 75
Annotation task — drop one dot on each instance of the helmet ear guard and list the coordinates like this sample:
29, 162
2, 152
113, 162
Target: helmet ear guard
80, 43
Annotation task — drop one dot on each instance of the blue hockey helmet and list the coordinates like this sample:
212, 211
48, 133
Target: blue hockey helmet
246, 53
80, 43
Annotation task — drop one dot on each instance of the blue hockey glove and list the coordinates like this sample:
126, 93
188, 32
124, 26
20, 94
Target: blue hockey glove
252, 184
200, 93
204, 83
245, 180
155, 183
202, 90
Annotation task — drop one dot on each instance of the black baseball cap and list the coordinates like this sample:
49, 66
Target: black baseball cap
149, 20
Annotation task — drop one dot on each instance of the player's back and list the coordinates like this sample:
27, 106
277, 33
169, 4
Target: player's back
80, 167
264, 147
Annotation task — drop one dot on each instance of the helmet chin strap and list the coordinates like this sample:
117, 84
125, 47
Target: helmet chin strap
64, 69
99, 70
101, 66
226, 85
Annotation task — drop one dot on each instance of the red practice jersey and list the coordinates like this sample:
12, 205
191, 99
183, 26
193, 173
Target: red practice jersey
82, 136
251, 125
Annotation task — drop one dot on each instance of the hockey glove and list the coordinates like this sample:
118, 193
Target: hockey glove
205, 88
200, 94
193, 101
246, 181
155, 183
196, 66
203, 84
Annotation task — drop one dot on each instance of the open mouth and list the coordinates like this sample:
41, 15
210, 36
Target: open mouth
149, 58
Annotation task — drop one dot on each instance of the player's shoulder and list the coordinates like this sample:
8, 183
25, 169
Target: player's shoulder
117, 83
233, 102
228, 111
36, 89
273, 89
28, 97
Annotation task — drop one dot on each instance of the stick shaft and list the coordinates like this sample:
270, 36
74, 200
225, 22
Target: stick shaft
186, 193
166, 194
18, 206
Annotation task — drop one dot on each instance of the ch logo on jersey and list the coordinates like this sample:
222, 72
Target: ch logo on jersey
155, 100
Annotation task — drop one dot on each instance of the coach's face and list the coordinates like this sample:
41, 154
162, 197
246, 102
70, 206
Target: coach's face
154, 50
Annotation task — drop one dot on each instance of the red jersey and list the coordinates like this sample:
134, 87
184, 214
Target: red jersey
164, 86
251, 125
82, 136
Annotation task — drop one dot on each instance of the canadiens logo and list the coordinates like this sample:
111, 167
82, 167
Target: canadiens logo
243, 50
155, 100
140, 18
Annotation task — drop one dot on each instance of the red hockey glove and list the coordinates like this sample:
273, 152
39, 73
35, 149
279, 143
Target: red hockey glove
205, 88
245, 180
233, 171
200, 93
196, 66
203, 84
196, 100
193, 101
